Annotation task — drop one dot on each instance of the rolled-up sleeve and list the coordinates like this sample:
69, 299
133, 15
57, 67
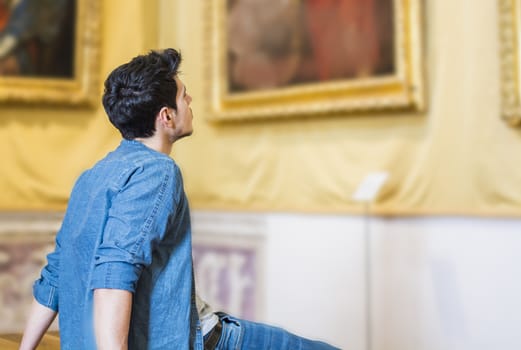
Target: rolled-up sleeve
136, 221
45, 289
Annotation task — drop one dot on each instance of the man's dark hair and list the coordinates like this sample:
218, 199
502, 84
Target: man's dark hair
136, 91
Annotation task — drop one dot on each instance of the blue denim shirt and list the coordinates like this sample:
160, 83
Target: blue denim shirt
127, 226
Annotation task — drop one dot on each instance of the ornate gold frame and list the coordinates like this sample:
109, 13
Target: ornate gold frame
509, 22
403, 90
83, 89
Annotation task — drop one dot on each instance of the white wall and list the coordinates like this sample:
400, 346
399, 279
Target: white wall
437, 283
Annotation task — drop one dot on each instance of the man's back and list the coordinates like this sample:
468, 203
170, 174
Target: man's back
127, 227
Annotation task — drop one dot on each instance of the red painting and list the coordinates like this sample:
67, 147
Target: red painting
280, 43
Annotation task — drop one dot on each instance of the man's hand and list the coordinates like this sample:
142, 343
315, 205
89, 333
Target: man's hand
112, 309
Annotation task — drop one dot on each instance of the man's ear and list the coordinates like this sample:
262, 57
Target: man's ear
166, 117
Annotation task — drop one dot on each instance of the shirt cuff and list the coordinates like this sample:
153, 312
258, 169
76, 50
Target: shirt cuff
46, 294
116, 275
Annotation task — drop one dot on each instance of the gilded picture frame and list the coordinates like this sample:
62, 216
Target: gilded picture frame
402, 88
77, 86
509, 41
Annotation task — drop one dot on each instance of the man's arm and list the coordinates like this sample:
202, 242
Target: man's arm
40, 318
112, 309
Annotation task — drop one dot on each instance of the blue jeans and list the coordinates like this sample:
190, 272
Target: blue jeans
239, 334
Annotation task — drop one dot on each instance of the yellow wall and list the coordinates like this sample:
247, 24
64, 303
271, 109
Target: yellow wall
457, 158
43, 149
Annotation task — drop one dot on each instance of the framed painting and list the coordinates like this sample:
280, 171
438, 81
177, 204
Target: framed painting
509, 39
49, 51
274, 58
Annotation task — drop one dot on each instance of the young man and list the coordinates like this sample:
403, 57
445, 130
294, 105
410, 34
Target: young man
121, 275
122, 268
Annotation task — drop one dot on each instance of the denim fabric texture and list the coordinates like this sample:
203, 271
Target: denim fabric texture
238, 334
127, 226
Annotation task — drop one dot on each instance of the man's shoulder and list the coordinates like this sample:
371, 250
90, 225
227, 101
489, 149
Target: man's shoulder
155, 165
119, 167
136, 158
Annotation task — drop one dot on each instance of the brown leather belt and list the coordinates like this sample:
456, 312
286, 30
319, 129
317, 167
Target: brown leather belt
211, 341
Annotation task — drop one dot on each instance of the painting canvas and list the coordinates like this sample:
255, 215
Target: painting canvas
275, 58
48, 50
299, 42
509, 39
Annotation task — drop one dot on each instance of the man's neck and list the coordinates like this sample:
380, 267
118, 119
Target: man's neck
157, 144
